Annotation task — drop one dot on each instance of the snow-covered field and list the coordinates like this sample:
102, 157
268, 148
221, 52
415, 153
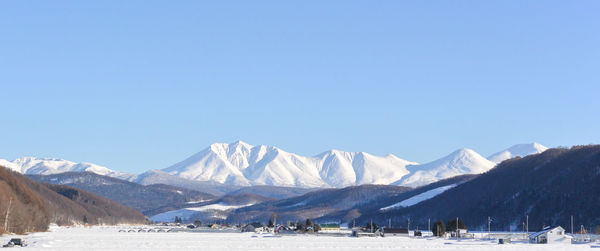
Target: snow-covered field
108, 238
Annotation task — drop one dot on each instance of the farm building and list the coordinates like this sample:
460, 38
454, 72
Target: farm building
395, 232
550, 234
330, 227
251, 227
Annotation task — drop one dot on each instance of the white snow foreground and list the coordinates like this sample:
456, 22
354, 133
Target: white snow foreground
419, 197
109, 238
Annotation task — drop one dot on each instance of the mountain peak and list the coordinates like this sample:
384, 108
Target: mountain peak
459, 162
241, 143
463, 151
519, 150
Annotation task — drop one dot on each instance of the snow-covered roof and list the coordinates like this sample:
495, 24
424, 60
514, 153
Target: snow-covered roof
545, 230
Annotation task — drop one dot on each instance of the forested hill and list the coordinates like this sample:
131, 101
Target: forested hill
32, 206
149, 199
26, 210
548, 187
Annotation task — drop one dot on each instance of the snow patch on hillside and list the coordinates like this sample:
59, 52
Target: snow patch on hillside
419, 197
186, 213
10, 165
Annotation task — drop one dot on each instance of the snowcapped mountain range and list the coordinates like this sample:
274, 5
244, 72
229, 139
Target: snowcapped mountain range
241, 164
46, 166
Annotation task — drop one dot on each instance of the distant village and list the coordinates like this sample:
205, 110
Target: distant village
453, 229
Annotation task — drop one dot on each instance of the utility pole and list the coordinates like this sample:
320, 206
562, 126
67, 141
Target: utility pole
456, 227
571, 224
390, 223
489, 221
527, 224
371, 225
408, 228
429, 224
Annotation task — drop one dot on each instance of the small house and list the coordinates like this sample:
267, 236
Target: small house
248, 228
550, 234
360, 233
460, 233
395, 232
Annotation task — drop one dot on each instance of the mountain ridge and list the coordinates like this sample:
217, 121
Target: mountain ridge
519, 150
459, 162
242, 164
222, 168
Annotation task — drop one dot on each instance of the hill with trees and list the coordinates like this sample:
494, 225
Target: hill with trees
148, 199
315, 204
543, 189
30, 206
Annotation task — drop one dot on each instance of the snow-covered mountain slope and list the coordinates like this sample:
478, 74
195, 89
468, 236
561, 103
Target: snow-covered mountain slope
242, 164
10, 165
462, 161
44, 166
160, 177
520, 150
419, 197
213, 210
222, 168
341, 169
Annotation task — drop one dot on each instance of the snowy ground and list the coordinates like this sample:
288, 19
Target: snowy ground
108, 238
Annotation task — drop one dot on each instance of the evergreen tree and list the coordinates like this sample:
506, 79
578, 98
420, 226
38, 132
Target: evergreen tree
309, 223
375, 226
177, 219
439, 229
451, 227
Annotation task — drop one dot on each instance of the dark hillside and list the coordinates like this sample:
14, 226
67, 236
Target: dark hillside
316, 204
34, 205
99, 210
26, 210
150, 199
274, 192
384, 201
548, 187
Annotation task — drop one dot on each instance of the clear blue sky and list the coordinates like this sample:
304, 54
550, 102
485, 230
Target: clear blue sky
137, 85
